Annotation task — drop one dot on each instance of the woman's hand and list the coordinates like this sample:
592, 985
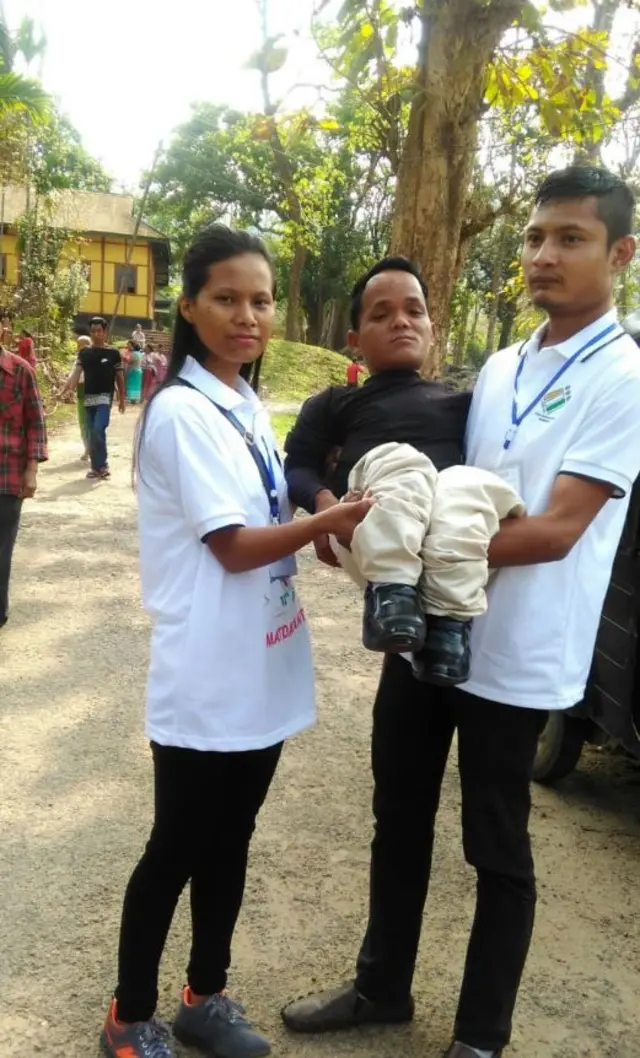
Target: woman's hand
341, 519
353, 496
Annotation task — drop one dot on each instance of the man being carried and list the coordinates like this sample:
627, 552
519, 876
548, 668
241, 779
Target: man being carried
422, 549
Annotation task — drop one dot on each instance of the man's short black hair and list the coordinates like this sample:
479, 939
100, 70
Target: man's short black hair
98, 321
388, 264
615, 201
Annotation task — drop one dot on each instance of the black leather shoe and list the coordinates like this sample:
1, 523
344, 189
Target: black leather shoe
445, 658
460, 1050
343, 1008
393, 621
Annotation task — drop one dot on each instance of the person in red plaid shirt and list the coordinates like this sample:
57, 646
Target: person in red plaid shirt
23, 444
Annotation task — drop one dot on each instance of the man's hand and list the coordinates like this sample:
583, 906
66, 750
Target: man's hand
122, 407
322, 544
29, 483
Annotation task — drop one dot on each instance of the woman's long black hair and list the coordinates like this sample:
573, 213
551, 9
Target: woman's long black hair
211, 246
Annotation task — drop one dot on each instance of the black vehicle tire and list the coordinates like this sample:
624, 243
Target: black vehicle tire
559, 747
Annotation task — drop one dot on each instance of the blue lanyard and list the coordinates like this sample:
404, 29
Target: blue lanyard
518, 418
265, 466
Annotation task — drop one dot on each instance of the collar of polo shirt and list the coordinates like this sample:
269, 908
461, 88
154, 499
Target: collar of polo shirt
216, 390
571, 346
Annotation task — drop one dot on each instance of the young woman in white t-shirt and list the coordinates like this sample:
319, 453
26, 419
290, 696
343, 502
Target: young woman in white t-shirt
230, 675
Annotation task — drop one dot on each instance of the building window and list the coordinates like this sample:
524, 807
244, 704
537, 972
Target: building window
126, 279
3, 267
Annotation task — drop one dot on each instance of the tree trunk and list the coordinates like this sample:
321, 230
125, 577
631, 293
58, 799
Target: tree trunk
341, 324
476, 320
458, 40
496, 287
328, 324
292, 323
508, 314
462, 329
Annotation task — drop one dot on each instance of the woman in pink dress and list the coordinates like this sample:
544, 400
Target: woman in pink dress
162, 364
149, 373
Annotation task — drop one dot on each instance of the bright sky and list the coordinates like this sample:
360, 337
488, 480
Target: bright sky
126, 74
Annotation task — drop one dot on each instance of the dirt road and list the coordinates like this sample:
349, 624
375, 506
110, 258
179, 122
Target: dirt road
76, 804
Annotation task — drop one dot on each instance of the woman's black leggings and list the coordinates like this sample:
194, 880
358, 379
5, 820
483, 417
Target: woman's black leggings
206, 804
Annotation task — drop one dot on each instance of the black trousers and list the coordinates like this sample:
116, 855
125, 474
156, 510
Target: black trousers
412, 734
10, 507
206, 804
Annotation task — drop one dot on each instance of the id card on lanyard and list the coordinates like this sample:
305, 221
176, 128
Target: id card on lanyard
518, 417
286, 567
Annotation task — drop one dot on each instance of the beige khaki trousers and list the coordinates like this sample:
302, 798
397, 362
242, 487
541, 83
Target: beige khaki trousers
427, 529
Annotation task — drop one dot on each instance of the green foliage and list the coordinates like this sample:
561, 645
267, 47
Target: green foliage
20, 94
29, 41
70, 285
475, 353
282, 423
220, 165
324, 180
554, 79
59, 160
51, 289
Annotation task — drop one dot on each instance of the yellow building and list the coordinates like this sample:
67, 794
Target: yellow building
103, 226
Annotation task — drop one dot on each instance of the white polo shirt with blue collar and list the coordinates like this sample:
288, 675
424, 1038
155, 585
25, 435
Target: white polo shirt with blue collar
534, 645
231, 666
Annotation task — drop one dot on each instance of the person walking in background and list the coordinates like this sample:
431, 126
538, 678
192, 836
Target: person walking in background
138, 336
23, 445
6, 332
217, 546
133, 385
83, 342
26, 349
354, 370
149, 372
162, 363
125, 354
101, 366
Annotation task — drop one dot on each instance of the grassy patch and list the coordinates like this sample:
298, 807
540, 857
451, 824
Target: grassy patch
292, 371
62, 415
281, 424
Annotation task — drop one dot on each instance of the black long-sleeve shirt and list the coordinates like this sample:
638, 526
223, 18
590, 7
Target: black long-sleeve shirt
391, 406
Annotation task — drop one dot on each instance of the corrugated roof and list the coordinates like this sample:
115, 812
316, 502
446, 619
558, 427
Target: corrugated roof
85, 211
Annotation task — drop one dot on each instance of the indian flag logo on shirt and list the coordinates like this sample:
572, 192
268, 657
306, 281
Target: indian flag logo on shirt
556, 399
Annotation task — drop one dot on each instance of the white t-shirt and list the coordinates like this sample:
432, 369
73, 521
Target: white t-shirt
231, 665
535, 644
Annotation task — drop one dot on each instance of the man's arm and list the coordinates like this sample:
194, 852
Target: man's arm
307, 448
35, 431
72, 381
549, 537
602, 462
119, 381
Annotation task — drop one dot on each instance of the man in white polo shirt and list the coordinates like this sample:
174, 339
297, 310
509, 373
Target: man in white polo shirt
558, 416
